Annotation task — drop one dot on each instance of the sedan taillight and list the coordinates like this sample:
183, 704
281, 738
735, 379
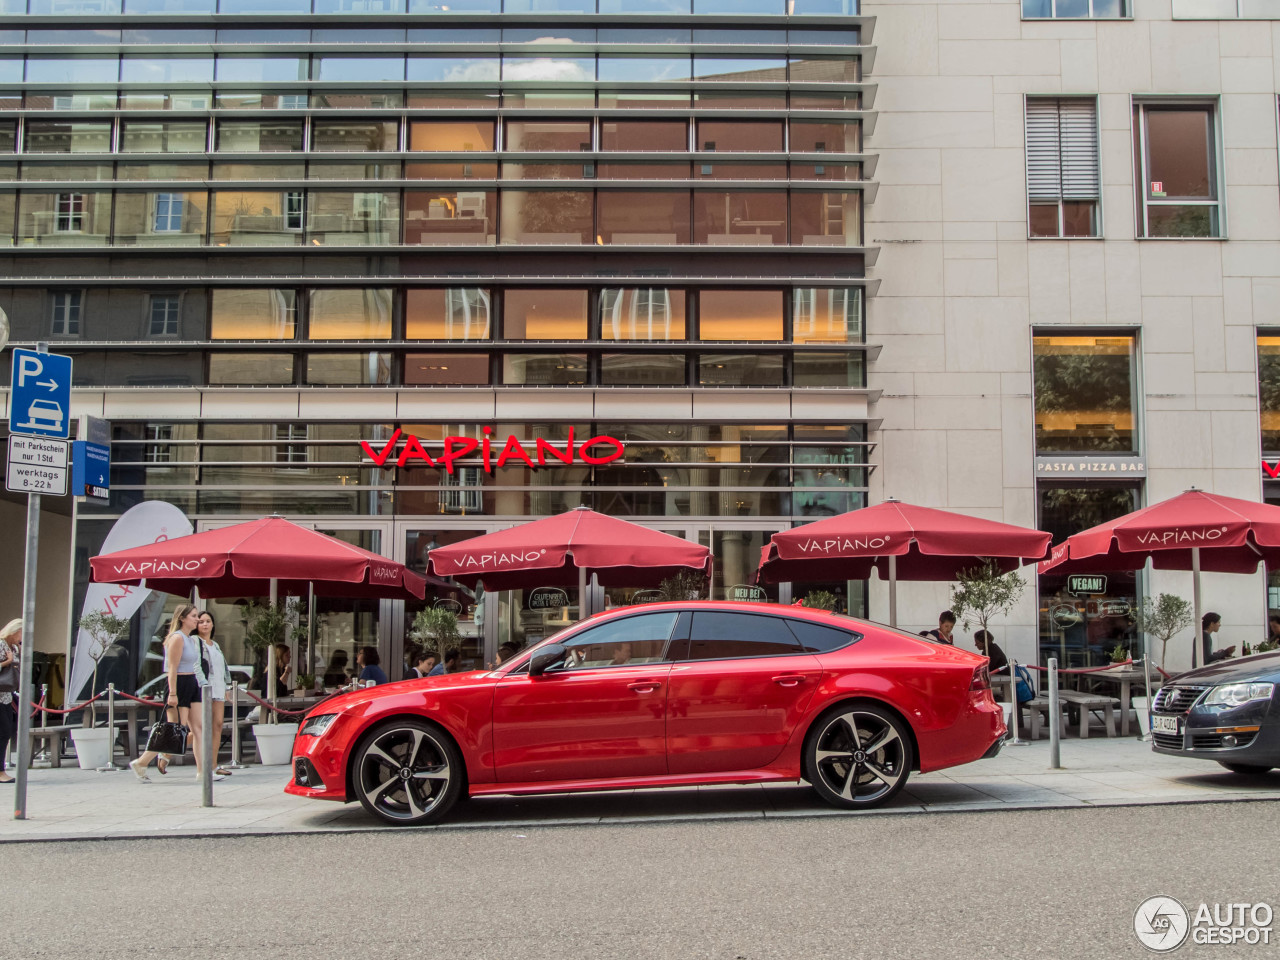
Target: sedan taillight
981, 679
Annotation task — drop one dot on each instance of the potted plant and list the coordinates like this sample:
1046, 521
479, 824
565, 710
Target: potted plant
306, 684
104, 630
685, 585
438, 625
1162, 618
1119, 654
820, 600
984, 592
265, 626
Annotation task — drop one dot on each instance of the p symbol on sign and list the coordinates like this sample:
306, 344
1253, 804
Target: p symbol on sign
29, 365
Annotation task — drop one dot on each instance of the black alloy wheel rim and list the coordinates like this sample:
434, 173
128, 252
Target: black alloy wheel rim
860, 756
403, 773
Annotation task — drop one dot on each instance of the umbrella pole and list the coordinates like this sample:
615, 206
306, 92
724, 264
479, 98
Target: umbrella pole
1195, 604
582, 593
893, 590
271, 660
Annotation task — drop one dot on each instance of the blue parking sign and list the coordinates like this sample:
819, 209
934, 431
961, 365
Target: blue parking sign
40, 395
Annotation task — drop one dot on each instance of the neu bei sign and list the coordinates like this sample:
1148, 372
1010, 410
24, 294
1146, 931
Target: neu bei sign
596, 450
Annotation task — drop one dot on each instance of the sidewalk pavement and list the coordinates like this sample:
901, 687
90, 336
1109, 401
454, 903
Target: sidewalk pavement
73, 804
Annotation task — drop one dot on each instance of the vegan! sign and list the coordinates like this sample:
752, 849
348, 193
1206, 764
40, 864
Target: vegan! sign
405, 449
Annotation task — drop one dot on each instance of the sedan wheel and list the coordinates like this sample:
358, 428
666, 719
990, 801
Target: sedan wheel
407, 773
858, 756
1248, 769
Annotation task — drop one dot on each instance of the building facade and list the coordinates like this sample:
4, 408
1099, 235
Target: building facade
1016, 260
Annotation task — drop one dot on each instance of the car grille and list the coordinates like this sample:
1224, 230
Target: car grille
1170, 741
1176, 699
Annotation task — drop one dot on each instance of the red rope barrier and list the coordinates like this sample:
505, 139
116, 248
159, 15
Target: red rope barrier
279, 710
39, 706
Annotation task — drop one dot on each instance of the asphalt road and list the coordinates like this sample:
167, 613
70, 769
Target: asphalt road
1052, 883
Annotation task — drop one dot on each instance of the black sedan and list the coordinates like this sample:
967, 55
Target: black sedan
1226, 712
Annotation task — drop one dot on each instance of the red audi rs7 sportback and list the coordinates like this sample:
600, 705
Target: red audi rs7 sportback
660, 695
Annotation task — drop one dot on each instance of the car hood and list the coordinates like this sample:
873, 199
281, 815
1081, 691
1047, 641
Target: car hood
358, 698
1262, 666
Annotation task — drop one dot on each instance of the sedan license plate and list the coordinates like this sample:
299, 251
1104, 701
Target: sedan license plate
1165, 725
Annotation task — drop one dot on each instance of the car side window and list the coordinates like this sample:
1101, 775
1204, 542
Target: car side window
722, 636
629, 641
819, 638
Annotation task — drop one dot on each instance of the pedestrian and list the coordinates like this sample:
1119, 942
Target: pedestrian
368, 661
218, 678
450, 664
185, 678
946, 623
987, 646
1210, 623
10, 650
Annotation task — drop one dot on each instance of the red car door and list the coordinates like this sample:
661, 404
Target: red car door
600, 715
738, 687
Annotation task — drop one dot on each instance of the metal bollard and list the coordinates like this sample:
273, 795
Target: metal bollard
42, 759
1015, 740
1146, 688
206, 748
235, 763
110, 766
1055, 759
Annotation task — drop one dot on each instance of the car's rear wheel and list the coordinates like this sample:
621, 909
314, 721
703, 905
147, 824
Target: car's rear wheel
407, 773
858, 756
1247, 769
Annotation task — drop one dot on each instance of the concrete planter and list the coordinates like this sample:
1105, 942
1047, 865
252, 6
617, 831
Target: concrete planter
275, 742
93, 747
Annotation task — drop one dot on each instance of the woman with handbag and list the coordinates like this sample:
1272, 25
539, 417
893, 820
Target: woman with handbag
10, 646
218, 680
182, 663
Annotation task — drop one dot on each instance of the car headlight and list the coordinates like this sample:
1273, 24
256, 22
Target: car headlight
1235, 694
317, 725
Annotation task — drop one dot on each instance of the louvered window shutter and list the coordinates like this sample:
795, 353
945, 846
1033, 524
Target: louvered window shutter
1062, 150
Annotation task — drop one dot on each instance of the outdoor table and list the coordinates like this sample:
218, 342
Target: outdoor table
1126, 677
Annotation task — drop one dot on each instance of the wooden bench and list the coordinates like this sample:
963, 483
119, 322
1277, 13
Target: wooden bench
54, 736
1087, 703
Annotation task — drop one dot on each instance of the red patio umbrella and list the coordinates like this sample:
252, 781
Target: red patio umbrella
1193, 531
900, 540
560, 550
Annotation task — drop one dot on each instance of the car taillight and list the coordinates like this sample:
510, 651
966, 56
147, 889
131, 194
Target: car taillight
981, 679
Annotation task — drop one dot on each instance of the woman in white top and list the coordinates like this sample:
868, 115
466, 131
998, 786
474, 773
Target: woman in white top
182, 665
217, 680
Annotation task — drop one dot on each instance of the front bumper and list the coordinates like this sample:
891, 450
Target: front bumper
1246, 734
318, 769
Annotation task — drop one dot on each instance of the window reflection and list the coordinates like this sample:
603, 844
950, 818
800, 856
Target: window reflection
449, 216
642, 369
253, 314
826, 315
557, 135
757, 219
547, 216
161, 219
638, 135
72, 219
451, 136
250, 369
544, 314
44, 136
826, 219
355, 136
1085, 394
240, 136
141, 136
340, 218
348, 369
642, 313
740, 315
752, 136
643, 217
448, 313
258, 218
828, 370
1269, 391
739, 370
550, 369
350, 313
442, 369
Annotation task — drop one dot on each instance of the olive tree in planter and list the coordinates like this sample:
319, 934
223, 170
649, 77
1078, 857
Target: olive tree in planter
265, 626
439, 626
1162, 618
983, 592
93, 744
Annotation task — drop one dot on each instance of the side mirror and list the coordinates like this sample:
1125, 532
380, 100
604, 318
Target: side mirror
548, 656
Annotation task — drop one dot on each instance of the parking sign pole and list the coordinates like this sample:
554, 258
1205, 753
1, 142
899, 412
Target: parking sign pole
28, 646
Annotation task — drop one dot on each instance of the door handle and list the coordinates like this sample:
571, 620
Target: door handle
644, 686
789, 680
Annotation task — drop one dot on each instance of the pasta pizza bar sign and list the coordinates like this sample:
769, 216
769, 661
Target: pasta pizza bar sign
488, 453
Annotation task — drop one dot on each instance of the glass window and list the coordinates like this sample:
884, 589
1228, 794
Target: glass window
642, 369
163, 69
64, 219
740, 171
448, 69
8, 135
544, 369
828, 370
740, 69
449, 216
277, 69
643, 217
826, 219
164, 315
1078, 9
341, 170
8, 210
739, 370
1269, 391
557, 135
98, 100
640, 135
155, 136
826, 70
455, 99
446, 369
357, 69
643, 100
544, 314
53, 136
739, 100
547, 216
722, 636
348, 369
1064, 183
819, 638
1085, 394
826, 136
540, 170
802, 99
250, 100
517, 98
362, 218
642, 313
823, 8
348, 100
632, 640
451, 135
65, 313
253, 314
756, 219
1177, 169
751, 136
65, 171
258, 171
259, 136
826, 315
257, 218
60, 69
643, 69
358, 6
250, 369
350, 313
161, 219
355, 136
448, 313
740, 315
642, 171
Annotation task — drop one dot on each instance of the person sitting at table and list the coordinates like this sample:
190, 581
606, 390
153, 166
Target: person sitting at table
335, 675
1273, 629
450, 665
1211, 622
987, 646
367, 660
425, 662
283, 687
946, 623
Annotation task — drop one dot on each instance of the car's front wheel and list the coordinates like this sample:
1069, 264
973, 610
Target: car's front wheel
407, 773
858, 756
1248, 769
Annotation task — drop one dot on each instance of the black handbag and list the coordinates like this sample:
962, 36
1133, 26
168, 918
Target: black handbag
9, 677
167, 737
